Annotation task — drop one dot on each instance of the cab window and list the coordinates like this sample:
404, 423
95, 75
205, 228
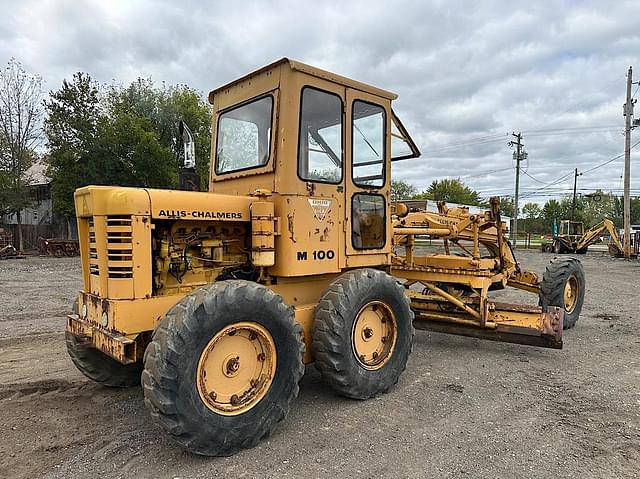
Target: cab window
369, 221
368, 143
320, 155
244, 136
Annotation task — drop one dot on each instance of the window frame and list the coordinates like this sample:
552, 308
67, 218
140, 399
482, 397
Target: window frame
384, 146
415, 151
342, 136
235, 107
384, 220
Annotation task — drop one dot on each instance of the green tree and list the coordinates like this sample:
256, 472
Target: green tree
20, 134
164, 107
532, 212
125, 136
453, 191
402, 190
506, 206
71, 123
635, 211
597, 206
551, 212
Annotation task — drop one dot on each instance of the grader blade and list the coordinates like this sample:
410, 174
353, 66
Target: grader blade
510, 323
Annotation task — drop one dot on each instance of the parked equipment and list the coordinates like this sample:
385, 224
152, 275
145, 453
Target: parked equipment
58, 247
573, 239
218, 299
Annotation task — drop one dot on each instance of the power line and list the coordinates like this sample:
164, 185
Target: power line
610, 160
570, 128
533, 178
549, 185
465, 145
479, 174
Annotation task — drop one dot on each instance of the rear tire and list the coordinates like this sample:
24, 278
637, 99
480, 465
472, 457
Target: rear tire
363, 333
561, 275
187, 392
101, 368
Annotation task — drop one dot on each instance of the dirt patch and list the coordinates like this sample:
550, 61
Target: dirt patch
463, 408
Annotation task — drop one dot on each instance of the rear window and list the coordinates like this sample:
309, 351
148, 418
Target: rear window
244, 136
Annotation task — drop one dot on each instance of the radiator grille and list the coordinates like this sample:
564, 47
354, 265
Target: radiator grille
119, 247
93, 251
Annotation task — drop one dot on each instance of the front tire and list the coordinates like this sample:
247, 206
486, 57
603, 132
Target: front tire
563, 285
223, 367
363, 333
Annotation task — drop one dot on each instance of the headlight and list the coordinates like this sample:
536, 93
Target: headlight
105, 320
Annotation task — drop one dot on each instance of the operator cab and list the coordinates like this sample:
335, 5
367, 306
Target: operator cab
320, 146
571, 228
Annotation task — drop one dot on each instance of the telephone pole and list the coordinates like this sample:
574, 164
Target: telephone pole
518, 155
573, 204
628, 118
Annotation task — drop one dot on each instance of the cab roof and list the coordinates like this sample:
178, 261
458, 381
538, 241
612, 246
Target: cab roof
313, 71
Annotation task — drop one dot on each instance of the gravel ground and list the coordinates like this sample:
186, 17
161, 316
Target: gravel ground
463, 408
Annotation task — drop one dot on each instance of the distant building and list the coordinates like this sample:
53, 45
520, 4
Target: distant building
39, 220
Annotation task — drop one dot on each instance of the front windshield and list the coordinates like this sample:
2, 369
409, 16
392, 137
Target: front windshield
320, 140
244, 136
368, 143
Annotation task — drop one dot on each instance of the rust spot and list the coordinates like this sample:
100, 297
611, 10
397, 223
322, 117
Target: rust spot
290, 218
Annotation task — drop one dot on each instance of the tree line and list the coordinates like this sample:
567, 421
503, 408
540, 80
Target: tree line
591, 209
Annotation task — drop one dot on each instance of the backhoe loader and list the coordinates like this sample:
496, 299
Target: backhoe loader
573, 239
216, 300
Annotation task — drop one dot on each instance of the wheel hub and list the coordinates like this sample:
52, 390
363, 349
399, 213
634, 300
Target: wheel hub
374, 335
570, 293
236, 368
232, 366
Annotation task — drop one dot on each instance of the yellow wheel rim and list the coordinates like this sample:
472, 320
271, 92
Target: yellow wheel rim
374, 335
570, 293
236, 368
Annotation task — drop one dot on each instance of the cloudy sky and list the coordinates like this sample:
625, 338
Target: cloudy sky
468, 73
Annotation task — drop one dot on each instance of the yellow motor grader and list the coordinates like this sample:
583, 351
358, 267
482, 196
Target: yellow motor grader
216, 300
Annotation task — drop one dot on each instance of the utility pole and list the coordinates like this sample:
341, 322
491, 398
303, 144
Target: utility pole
518, 156
573, 204
628, 118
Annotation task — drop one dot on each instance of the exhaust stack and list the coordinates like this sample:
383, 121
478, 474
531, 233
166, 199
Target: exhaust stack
188, 179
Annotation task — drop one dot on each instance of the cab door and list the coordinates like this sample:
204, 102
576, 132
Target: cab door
368, 179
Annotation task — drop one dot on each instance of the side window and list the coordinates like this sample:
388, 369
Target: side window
320, 142
244, 136
369, 222
368, 138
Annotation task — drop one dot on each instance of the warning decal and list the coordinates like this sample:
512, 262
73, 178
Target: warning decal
319, 207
